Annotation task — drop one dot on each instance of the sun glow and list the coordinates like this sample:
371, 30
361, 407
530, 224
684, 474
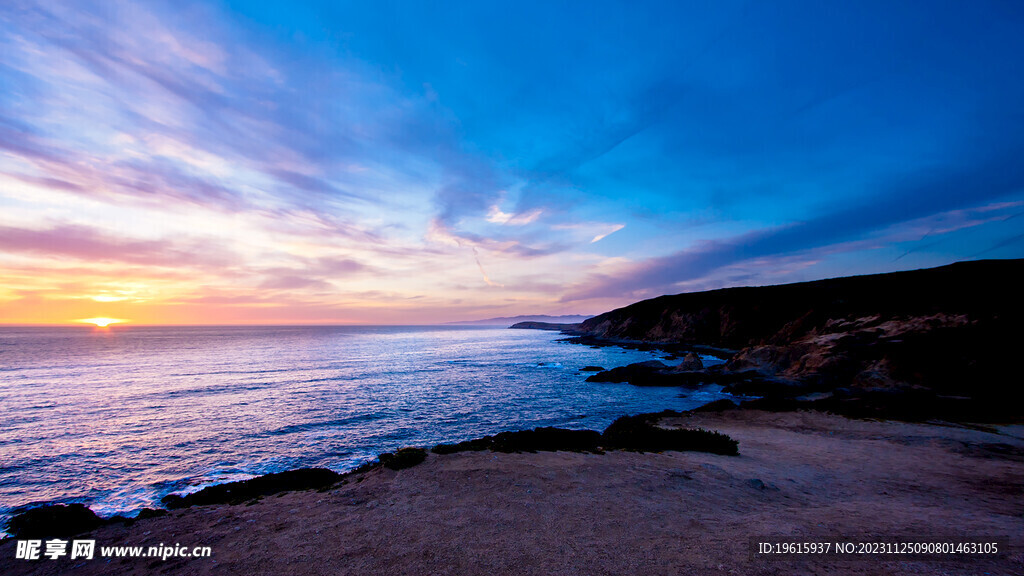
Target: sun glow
107, 298
101, 322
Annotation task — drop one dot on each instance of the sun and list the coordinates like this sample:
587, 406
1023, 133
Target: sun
101, 322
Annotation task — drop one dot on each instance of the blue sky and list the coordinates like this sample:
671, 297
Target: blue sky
394, 162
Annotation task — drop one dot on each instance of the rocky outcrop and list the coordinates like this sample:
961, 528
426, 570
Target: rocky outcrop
690, 363
650, 373
237, 492
53, 520
656, 373
940, 336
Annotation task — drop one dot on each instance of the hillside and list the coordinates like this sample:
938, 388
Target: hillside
927, 341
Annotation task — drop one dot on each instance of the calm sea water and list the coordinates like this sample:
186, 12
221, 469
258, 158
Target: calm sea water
118, 419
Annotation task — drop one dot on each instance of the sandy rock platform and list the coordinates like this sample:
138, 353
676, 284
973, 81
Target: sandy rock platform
800, 477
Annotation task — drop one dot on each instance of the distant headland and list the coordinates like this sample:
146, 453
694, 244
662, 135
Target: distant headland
513, 320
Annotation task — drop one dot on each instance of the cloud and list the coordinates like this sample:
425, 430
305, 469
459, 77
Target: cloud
312, 274
191, 107
89, 244
905, 199
1008, 241
487, 280
469, 190
204, 141
337, 265
313, 184
612, 230
496, 216
603, 131
438, 232
295, 282
596, 231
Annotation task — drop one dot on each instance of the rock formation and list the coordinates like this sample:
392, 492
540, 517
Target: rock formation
931, 342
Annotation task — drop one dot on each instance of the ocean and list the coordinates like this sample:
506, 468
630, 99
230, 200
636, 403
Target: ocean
119, 418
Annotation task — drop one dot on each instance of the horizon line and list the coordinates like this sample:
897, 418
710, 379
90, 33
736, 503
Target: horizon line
240, 325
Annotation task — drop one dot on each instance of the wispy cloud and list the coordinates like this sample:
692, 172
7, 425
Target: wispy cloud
496, 216
907, 199
92, 245
206, 160
487, 279
612, 230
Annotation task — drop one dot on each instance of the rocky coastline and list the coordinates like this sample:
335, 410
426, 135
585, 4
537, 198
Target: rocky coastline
638, 433
801, 476
861, 398
914, 345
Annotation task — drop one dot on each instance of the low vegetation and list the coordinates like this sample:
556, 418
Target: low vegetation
238, 492
545, 439
403, 458
638, 433
641, 433
54, 520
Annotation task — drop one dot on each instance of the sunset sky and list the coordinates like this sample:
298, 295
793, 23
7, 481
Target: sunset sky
411, 162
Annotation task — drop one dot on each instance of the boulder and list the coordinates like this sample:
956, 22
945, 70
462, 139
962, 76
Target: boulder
690, 363
650, 373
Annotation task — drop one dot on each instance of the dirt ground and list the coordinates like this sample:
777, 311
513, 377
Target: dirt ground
800, 477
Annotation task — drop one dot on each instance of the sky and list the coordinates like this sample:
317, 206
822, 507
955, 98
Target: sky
255, 162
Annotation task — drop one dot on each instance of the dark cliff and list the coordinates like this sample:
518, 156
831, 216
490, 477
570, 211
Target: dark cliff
949, 332
740, 317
